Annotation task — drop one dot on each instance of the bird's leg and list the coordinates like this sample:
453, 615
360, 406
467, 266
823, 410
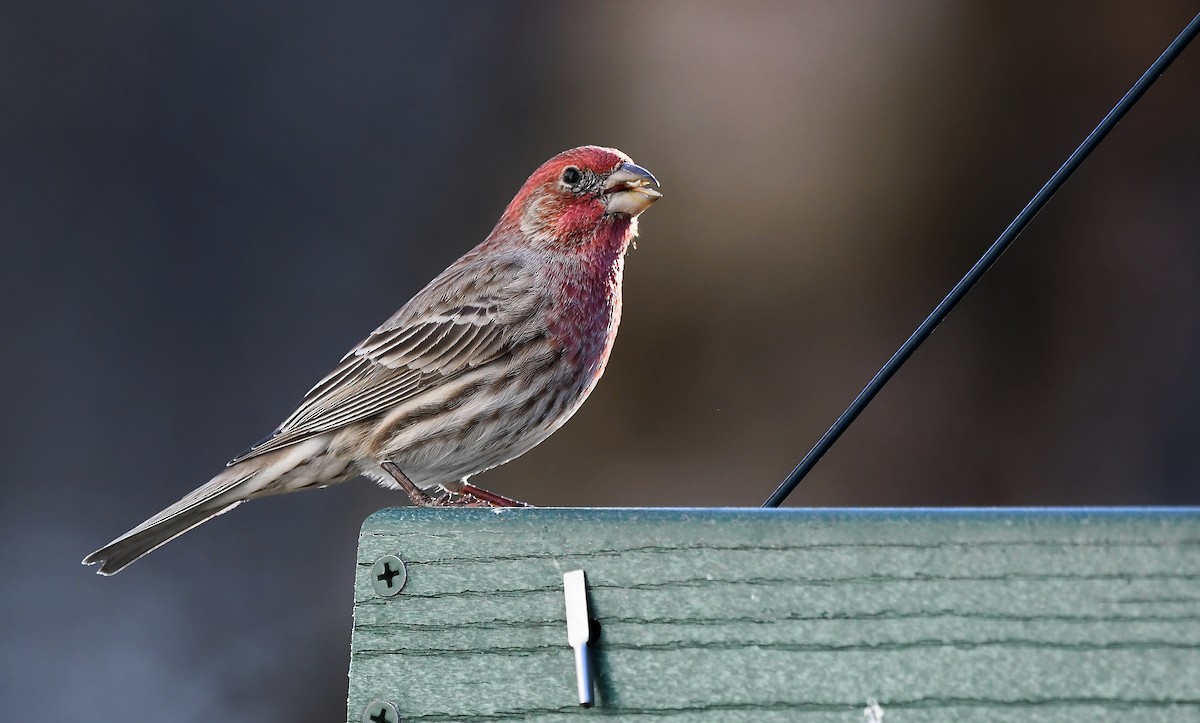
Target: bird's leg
416, 495
491, 498
421, 498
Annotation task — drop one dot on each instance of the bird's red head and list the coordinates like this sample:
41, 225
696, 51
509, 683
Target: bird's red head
575, 197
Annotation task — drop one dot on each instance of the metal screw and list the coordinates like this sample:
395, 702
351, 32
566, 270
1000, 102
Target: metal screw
380, 711
388, 575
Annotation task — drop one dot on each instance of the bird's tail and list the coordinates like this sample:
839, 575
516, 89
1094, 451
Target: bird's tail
217, 496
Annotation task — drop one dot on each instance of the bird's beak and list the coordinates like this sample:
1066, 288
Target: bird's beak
627, 190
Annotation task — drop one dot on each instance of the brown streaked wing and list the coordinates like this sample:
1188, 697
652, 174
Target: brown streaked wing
414, 353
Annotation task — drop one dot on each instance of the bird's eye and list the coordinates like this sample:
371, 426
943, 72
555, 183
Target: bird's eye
571, 175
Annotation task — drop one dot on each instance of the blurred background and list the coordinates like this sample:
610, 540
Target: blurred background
204, 205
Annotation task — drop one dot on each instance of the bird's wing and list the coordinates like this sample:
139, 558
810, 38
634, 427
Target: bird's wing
469, 316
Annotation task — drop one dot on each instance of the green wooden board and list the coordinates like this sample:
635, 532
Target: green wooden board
1084, 615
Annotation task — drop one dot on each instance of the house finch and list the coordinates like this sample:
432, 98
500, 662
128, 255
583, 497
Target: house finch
480, 366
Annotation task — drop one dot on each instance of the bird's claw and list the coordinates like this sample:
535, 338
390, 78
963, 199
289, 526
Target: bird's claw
450, 499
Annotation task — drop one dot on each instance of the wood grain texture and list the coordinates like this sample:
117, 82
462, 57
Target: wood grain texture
786, 615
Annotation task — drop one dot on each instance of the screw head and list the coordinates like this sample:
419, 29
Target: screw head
388, 575
380, 711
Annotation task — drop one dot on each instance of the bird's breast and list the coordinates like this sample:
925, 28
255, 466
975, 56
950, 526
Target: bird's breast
584, 320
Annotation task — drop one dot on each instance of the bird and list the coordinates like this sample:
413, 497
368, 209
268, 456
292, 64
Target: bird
488, 360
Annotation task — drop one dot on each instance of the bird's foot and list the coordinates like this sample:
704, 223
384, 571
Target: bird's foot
453, 499
468, 496
491, 498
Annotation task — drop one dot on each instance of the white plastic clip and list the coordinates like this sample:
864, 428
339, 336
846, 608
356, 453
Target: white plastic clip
579, 631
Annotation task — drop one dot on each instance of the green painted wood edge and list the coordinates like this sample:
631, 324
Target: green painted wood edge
1131, 551
788, 515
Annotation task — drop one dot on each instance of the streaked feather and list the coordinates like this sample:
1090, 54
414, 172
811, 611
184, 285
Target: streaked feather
462, 320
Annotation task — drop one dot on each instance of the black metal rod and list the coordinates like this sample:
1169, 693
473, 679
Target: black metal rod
983, 264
